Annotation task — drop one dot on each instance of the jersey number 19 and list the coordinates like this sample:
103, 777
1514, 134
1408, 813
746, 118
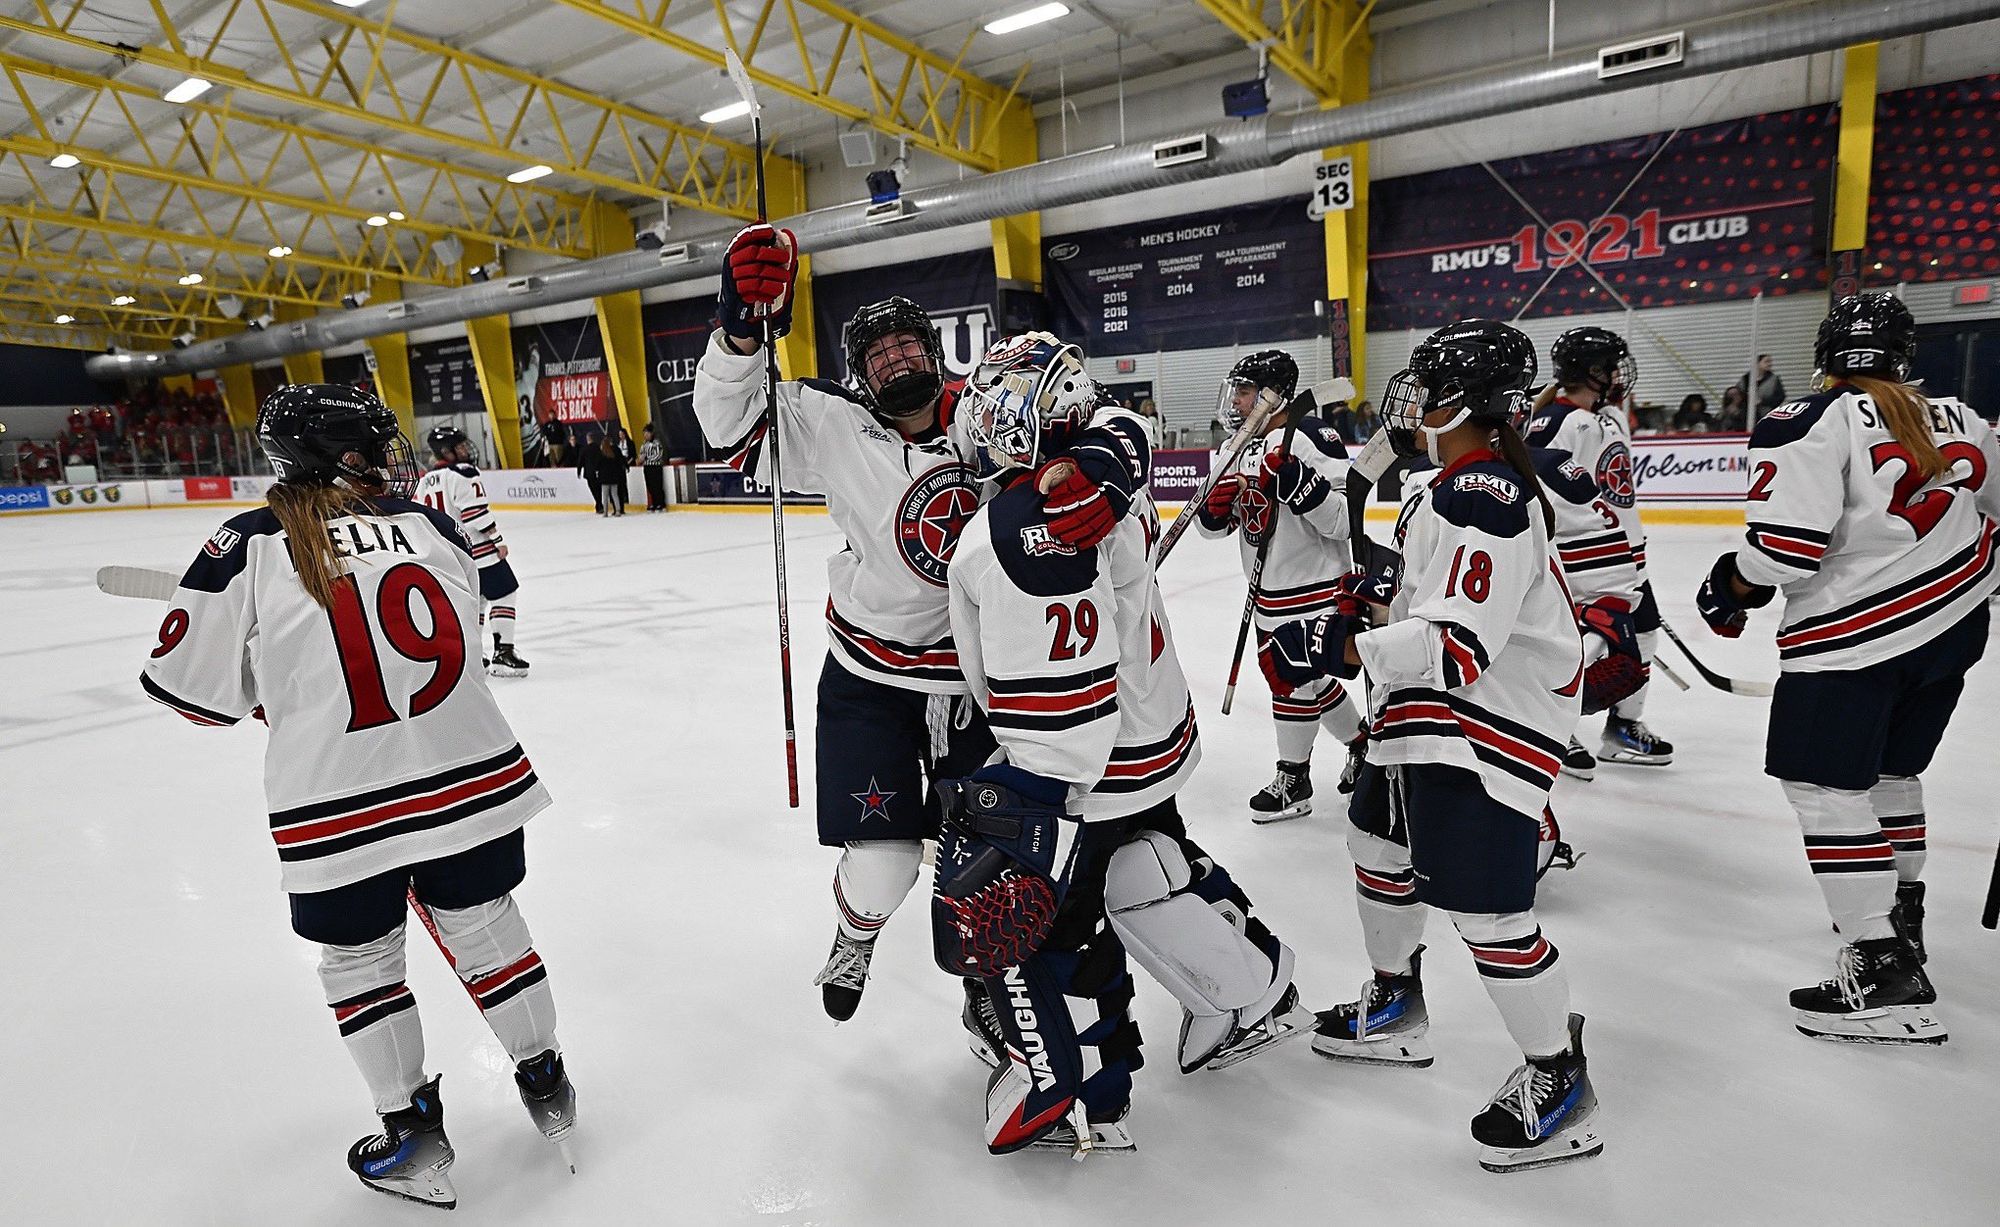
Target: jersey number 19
442, 646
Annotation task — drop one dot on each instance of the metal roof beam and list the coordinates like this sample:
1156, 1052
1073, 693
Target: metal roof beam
1305, 38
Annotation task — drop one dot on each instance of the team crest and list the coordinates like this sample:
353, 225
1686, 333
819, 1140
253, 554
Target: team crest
1253, 507
1037, 540
222, 542
932, 515
1786, 412
1614, 476
1487, 483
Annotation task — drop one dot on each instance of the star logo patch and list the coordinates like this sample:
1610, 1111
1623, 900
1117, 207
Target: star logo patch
874, 802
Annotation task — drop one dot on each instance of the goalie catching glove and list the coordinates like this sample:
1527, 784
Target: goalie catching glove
1615, 668
1002, 861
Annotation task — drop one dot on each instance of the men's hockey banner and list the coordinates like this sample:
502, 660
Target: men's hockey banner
676, 334
958, 291
444, 379
561, 383
1189, 282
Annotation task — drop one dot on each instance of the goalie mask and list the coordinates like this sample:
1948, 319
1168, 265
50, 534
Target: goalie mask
1265, 378
1479, 368
1028, 398
317, 433
895, 357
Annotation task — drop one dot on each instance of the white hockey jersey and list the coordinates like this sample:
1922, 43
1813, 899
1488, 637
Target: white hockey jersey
386, 748
460, 492
1071, 657
1596, 555
1601, 443
1481, 666
1311, 551
1873, 559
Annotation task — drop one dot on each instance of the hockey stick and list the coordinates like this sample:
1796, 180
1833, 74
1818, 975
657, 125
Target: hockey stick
740, 76
1660, 663
140, 583
1991, 916
1292, 416
1758, 690
1232, 451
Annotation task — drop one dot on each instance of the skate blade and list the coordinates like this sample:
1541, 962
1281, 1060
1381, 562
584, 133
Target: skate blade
1896, 1024
1632, 758
1573, 773
1107, 1139
1410, 1052
1281, 815
1565, 1147
436, 1192
504, 671
1281, 1031
568, 1155
978, 1047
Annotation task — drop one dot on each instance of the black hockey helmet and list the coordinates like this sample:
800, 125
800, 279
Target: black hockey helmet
1867, 334
1481, 367
1269, 372
309, 429
902, 388
1596, 357
444, 442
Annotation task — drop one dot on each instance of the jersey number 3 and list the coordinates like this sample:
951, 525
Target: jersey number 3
442, 646
1923, 510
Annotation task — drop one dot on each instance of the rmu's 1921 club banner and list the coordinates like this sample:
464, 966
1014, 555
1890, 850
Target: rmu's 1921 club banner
1253, 272
957, 291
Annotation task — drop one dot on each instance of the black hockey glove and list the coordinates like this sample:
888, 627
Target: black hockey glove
1003, 854
1718, 603
1298, 653
1294, 483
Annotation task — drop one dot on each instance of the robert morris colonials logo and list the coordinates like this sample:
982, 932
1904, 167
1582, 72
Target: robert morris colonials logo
1614, 476
932, 515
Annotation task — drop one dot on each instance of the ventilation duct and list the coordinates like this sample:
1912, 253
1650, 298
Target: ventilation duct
1761, 37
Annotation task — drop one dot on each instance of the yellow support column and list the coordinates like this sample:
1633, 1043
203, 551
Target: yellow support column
493, 356
239, 395
299, 368
1347, 232
392, 368
1850, 171
608, 230
798, 350
178, 383
1017, 240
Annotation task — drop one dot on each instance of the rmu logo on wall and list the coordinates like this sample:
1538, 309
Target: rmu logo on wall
966, 332
930, 518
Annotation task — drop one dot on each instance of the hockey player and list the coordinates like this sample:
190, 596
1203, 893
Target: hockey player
1293, 496
1873, 509
453, 486
390, 772
1582, 412
1475, 682
1067, 849
892, 713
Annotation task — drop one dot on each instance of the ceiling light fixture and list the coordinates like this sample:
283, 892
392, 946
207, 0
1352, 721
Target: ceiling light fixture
378, 220
63, 161
528, 174
188, 90
723, 114
395, 215
65, 318
123, 300
1025, 18
350, 4
279, 252
191, 279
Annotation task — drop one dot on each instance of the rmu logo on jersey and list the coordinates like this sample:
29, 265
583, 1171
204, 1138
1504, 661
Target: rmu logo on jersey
1787, 411
223, 541
1037, 540
1572, 470
1489, 483
930, 518
1614, 475
1033, 1047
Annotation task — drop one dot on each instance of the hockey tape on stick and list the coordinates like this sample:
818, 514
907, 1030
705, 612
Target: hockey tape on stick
1734, 685
140, 583
1667, 670
1232, 451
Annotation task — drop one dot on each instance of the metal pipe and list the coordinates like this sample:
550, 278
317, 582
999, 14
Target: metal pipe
1760, 37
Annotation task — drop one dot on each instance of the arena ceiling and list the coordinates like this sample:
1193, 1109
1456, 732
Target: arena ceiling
368, 145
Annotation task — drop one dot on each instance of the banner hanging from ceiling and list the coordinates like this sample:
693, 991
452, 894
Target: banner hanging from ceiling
1934, 203
561, 384
444, 379
676, 334
958, 291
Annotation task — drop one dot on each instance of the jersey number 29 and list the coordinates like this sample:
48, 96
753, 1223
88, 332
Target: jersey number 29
442, 646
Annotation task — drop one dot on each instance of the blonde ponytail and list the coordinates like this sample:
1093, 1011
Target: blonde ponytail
303, 511
1908, 416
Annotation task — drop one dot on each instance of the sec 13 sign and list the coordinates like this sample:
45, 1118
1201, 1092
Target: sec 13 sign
1333, 188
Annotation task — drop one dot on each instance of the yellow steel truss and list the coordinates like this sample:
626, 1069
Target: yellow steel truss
1307, 38
912, 93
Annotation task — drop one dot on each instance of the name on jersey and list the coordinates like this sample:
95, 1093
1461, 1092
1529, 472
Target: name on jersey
1945, 419
1489, 483
1037, 540
354, 538
221, 542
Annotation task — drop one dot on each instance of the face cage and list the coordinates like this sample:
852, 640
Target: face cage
1226, 411
1003, 422
396, 470
1623, 381
1403, 404
901, 369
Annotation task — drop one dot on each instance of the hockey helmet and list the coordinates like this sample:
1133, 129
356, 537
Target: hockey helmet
1597, 358
444, 442
1028, 398
310, 430
1482, 368
1867, 334
895, 382
1269, 376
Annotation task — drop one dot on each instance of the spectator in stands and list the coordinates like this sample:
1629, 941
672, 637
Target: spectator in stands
1692, 416
1769, 390
653, 458
1732, 416
1155, 428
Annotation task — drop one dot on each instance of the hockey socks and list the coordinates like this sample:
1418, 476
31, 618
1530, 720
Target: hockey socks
495, 958
1519, 968
871, 881
1851, 857
1898, 802
377, 1017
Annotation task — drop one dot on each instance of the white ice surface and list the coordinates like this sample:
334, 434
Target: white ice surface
168, 1059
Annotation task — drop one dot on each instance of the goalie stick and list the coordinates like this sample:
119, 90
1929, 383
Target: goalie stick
1734, 685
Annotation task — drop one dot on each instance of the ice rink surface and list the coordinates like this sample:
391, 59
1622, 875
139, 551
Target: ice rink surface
170, 1061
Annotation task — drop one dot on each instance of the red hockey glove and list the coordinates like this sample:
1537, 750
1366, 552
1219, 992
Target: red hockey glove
1079, 515
757, 281
1218, 510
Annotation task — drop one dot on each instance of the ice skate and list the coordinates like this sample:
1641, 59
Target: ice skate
1578, 762
505, 662
844, 976
1630, 741
1387, 1026
1350, 771
1544, 1114
550, 1099
982, 1026
1289, 795
411, 1157
1552, 851
1081, 1137
1908, 917
1287, 1021
1879, 995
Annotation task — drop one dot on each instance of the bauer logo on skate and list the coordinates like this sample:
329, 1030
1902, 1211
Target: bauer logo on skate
933, 513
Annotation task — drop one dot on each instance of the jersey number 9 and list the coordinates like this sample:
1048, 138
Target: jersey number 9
442, 646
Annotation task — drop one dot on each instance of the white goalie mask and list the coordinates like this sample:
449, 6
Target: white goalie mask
1028, 397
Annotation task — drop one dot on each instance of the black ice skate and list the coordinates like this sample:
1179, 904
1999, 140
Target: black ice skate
1543, 1115
982, 1025
1081, 1137
844, 976
1908, 917
1578, 762
1289, 795
411, 1157
505, 662
1350, 771
1288, 1020
550, 1099
1630, 741
1879, 995
1387, 1026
